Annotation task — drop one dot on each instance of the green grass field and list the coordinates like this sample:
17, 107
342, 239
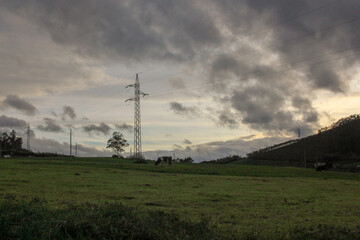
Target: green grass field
251, 201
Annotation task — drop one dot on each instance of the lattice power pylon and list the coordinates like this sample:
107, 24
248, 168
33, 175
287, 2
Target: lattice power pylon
137, 120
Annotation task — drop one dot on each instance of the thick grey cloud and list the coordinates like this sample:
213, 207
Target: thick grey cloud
256, 76
187, 142
50, 126
263, 109
125, 127
325, 76
228, 119
15, 102
180, 109
264, 87
306, 109
11, 122
101, 128
139, 29
68, 112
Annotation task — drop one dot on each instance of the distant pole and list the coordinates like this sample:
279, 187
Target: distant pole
28, 137
299, 132
305, 155
1, 142
70, 142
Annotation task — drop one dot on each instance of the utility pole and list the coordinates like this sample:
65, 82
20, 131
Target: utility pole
70, 142
304, 155
137, 120
299, 132
1, 142
28, 132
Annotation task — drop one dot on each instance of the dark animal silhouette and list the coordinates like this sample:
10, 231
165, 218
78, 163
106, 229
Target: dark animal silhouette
161, 160
327, 166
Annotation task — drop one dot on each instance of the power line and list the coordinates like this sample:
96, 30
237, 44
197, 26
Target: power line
283, 43
260, 76
196, 86
253, 33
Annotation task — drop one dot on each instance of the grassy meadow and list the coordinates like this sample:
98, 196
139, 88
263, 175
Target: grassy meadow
239, 201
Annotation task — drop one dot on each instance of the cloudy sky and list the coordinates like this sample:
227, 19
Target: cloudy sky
223, 76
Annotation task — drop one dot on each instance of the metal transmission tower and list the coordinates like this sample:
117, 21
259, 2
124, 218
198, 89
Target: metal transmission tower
137, 119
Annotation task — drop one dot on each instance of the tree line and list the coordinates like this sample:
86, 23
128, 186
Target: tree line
10, 142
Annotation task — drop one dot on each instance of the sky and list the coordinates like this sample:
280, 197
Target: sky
224, 77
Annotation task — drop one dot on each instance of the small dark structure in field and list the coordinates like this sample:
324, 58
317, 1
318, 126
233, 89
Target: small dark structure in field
161, 160
326, 166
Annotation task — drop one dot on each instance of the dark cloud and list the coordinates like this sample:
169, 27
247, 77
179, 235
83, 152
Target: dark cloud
263, 109
10, 122
187, 142
15, 102
68, 112
125, 127
139, 30
305, 107
228, 119
50, 126
101, 128
177, 146
307, 59
324, 76
180, 109
252, 60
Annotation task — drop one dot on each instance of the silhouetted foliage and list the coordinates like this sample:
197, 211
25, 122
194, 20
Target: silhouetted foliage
117, 143
225, 160
185, 160
10, 142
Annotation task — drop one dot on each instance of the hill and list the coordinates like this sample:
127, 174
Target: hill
338, 144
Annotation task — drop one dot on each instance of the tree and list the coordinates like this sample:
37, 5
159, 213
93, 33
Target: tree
117, 143
10, 142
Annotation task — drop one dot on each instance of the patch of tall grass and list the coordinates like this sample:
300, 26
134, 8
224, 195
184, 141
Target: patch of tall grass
32, 220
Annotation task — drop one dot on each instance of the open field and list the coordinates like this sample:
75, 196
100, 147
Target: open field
263, 201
